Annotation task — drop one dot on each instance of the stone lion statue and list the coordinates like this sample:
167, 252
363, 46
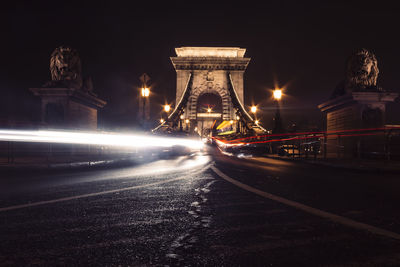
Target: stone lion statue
361, 74
362, 70
65, 67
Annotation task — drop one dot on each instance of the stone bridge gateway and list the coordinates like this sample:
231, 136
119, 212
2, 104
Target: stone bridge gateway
210, 89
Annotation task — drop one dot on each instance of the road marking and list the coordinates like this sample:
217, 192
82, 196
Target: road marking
308, 209
102, 192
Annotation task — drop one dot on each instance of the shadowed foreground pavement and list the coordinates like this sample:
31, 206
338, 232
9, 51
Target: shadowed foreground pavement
178, 211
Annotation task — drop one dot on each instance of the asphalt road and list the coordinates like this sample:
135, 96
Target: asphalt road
204, 209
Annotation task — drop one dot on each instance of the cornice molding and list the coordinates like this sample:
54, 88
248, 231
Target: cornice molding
209, 63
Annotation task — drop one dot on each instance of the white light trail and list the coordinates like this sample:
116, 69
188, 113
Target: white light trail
91, 138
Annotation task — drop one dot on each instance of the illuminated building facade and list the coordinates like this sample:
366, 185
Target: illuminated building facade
215, 71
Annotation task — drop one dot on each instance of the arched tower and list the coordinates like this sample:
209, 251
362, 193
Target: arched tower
214, 70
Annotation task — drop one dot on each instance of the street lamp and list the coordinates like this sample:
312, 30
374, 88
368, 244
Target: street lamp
144, 100
277, 94
187, 124
167, 109
180, 122
145, 92
231, 123
253, 110
277, 119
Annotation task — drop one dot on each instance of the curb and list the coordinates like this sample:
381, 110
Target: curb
333, 165
70, 165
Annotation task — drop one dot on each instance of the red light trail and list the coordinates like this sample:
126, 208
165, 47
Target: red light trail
297, 136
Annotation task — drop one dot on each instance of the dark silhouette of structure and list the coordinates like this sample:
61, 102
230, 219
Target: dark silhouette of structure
357, 103
68, 101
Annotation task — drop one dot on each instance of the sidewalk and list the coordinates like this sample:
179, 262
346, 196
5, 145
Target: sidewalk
374, 165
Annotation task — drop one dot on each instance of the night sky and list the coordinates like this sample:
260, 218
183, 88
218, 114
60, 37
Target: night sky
302, 46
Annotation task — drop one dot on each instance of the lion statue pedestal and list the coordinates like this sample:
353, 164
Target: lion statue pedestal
67, 101
356, 103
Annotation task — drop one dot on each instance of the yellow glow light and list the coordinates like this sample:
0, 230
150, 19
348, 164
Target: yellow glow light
187, 121
253, 109
181, 117
277, 94
231, 122
161, 120
256, 122
145, 92
232, 52
209, 110
167, 108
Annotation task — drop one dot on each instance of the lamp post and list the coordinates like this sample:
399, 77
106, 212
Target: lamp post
253, 110
180, 123
277, 119
144, 102
167, 109
187, 124
237, 124
145, 95
231, 123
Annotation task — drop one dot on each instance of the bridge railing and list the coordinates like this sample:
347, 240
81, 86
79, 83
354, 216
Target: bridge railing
12, 152
381, 143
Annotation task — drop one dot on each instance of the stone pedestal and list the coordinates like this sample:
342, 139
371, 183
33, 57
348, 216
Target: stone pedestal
355, 110
68, 108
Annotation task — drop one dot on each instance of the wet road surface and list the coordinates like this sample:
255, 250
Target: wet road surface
179, 211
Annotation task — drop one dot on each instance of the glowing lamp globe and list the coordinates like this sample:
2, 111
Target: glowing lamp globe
277, 94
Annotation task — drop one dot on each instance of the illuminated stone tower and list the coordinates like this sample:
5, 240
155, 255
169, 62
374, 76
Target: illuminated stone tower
211, 68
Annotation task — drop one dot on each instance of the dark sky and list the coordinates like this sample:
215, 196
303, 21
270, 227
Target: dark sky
300, 44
